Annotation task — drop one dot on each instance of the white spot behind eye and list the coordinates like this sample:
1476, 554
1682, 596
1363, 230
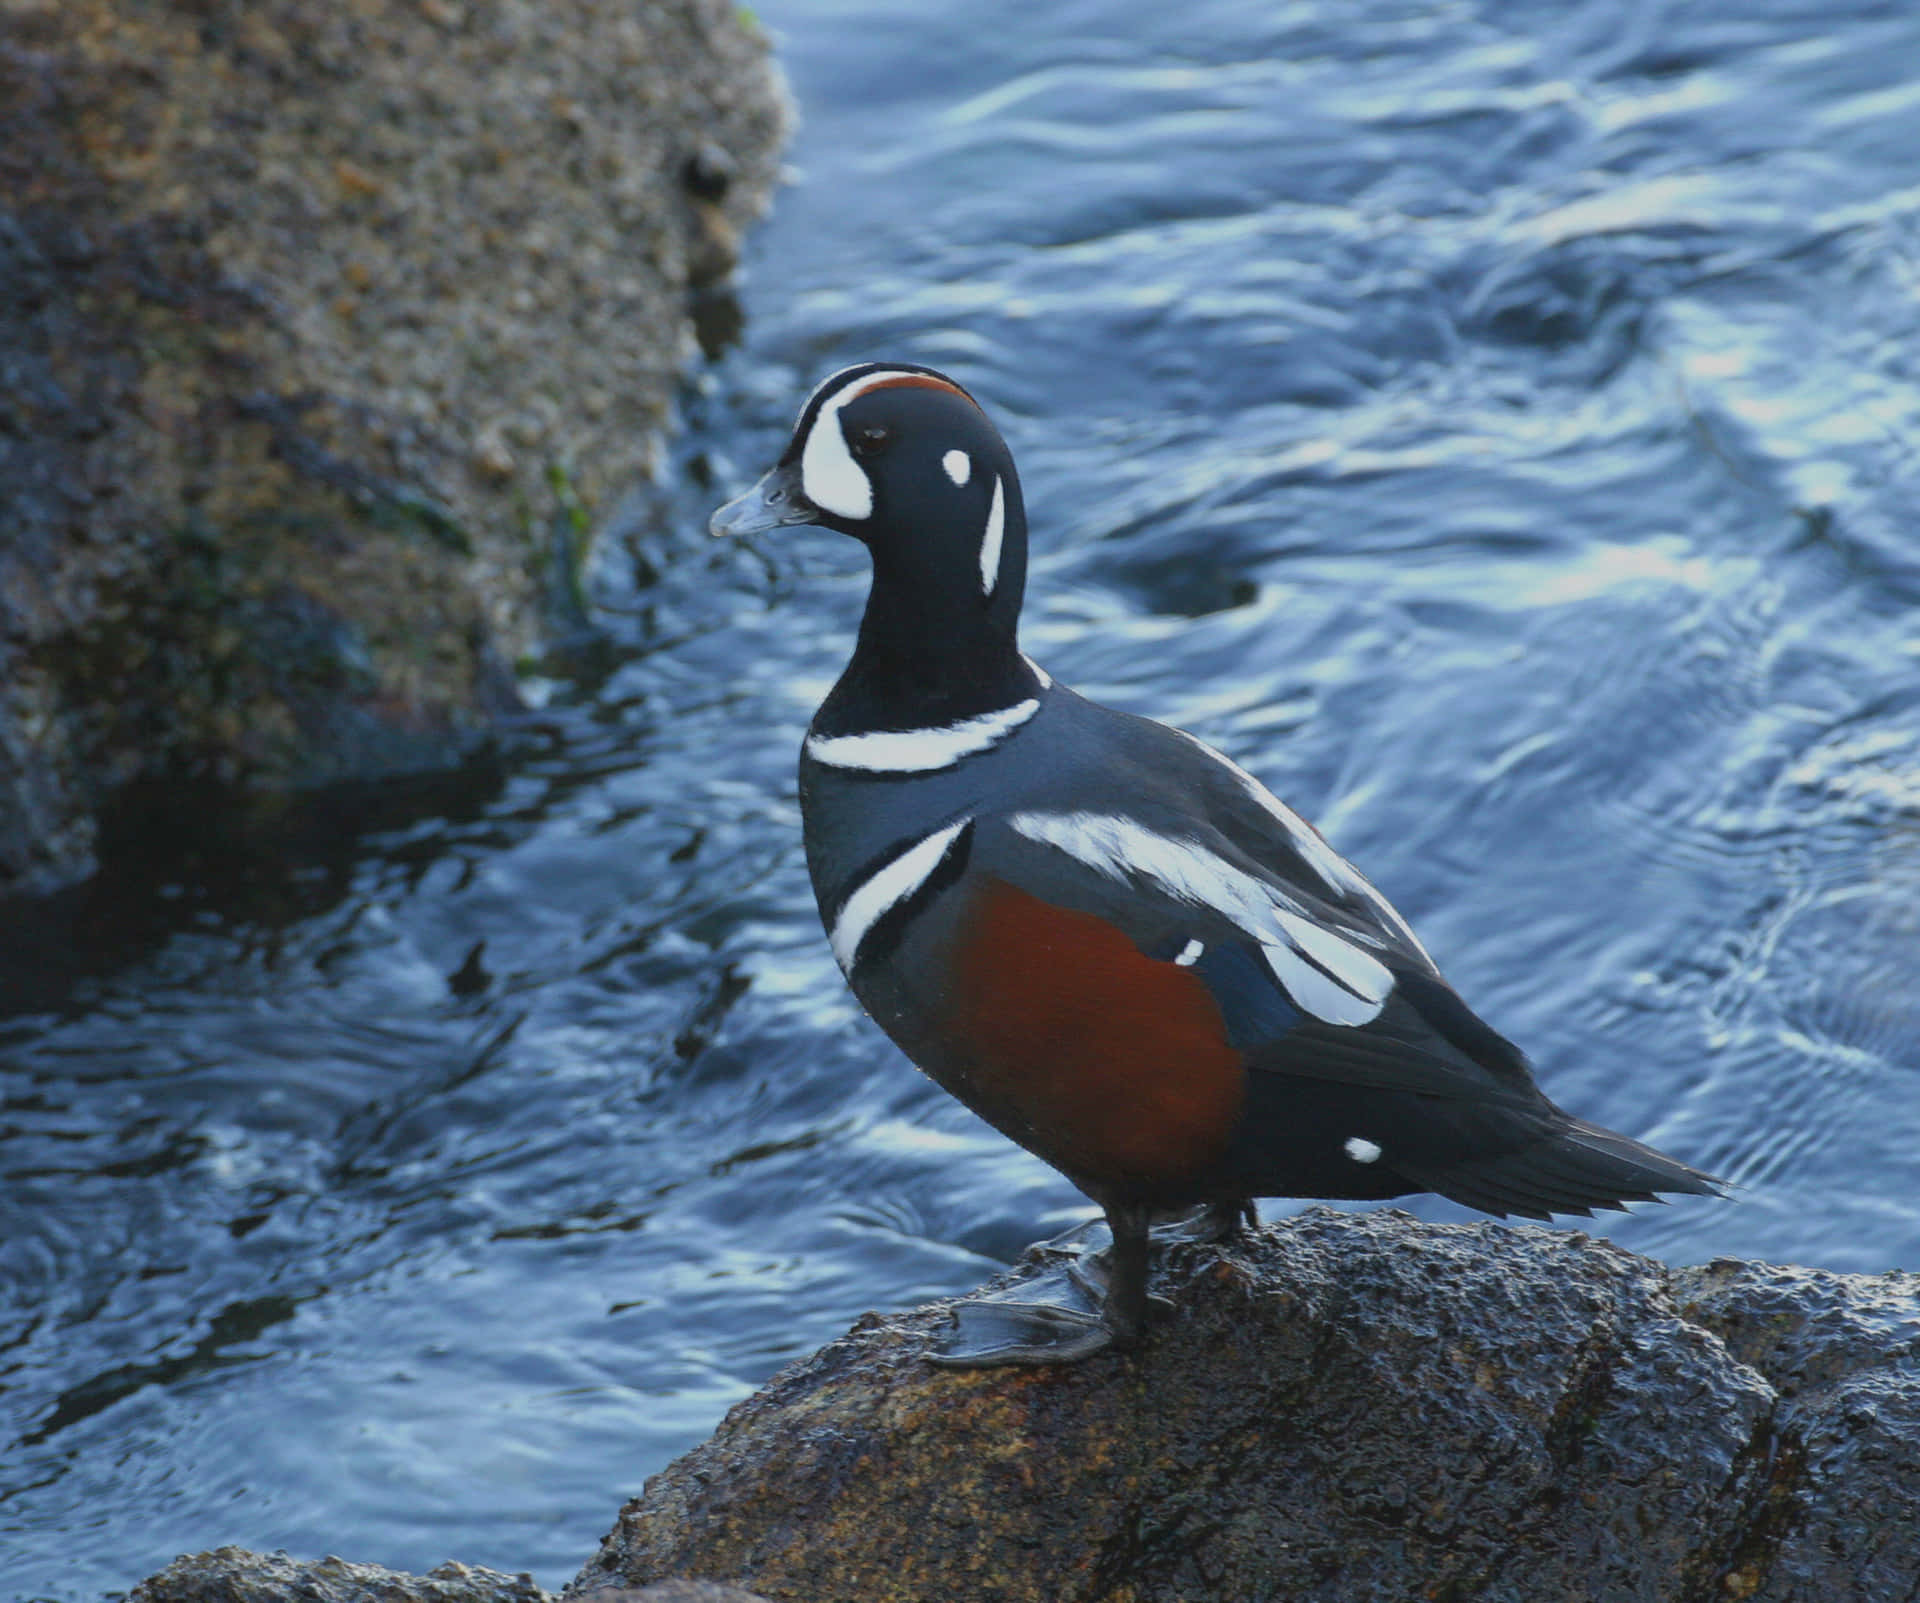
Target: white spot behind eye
990, 541
959, 466
1361, 1150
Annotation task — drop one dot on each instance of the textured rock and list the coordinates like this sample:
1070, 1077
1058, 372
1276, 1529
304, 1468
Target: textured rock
324, 330
235, 1575
1342, 1407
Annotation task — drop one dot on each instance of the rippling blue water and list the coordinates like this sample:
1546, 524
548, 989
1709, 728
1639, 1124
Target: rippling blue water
1495, 425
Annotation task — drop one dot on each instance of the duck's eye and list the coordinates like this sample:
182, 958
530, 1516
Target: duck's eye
871, 441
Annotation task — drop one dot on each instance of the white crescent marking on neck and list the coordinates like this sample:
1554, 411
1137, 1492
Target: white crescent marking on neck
919, 751
888, 887
990, 542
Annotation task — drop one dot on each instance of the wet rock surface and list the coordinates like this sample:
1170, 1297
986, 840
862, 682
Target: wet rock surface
324, 334
1341, 1407
235, 1575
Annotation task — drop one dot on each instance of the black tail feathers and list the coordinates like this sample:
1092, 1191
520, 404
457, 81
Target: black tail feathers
1568, 1166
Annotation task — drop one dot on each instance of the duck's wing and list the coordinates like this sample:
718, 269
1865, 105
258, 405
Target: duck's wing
1320, 985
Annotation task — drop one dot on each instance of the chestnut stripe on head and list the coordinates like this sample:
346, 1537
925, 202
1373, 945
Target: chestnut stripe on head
915, 381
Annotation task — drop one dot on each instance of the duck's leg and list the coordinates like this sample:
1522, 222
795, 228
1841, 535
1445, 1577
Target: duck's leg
1209, 1223
1125, 1309
989, 1332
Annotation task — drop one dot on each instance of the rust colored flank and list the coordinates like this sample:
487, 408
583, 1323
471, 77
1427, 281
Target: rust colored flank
1107, 1063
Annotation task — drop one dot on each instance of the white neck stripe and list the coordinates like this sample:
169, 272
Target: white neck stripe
990, 541
889, 886
919, 751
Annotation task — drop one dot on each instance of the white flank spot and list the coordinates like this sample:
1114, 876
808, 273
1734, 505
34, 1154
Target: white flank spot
1340, 985
1361, 1150
990, 541
829, 476
1190, 954
919, 751
889, 887
959, 467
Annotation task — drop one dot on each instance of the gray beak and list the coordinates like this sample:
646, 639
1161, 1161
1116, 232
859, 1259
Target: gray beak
771, 504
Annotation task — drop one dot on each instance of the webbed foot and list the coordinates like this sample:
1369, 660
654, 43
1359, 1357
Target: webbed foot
1097, 1301
988, 1334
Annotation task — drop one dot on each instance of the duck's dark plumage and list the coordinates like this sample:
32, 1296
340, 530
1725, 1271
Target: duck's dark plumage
1108, 940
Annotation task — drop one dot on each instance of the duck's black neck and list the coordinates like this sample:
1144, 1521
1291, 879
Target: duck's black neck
928, 656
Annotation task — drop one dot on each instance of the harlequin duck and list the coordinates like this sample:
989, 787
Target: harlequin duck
1108, 940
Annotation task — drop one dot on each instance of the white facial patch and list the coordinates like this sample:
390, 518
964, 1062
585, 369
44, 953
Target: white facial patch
990, 541
829, 476
959, 467
1321, 972
888, 887
1361, 1150
920, 751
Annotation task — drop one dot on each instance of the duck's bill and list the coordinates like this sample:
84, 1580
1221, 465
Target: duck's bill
773, 503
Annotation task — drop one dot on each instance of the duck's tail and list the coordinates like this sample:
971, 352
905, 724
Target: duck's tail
1569, 1167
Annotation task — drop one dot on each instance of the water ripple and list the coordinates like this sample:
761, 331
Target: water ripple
1495, 425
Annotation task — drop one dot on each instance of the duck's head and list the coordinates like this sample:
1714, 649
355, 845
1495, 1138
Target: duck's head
904, 460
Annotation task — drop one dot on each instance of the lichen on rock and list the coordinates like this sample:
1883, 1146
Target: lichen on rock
317, 318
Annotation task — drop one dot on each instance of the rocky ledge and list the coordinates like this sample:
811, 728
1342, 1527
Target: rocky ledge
235, 1575
324, 332
1341, 1407
1338, 1407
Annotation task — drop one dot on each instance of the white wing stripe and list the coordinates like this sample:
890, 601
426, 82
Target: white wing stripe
1323, 973
888, 887
1340, 875
1366, 976
1121, 849
919, 751
1312, 990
